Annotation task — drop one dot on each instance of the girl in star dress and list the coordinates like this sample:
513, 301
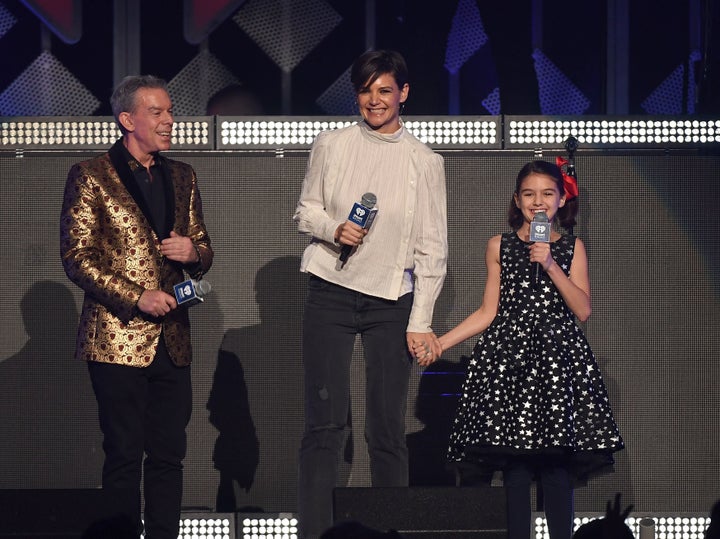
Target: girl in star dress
533, 403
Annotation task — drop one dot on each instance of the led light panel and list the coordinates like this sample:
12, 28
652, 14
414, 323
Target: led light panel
665, 525
267, 526
438, 132
93, 132
299, 133
610, 132
206, 526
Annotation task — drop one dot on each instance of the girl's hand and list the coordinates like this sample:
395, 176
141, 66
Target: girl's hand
424, 347
540, 253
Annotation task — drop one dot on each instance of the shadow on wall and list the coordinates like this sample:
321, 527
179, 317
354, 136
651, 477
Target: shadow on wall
256, 401
435, 405
48, 417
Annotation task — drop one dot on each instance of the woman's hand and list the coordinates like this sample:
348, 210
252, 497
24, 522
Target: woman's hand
425, 347
349, 234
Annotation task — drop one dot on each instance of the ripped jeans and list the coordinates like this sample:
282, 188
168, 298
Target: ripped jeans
332, 318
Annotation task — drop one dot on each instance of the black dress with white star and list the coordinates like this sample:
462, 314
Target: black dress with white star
533, 388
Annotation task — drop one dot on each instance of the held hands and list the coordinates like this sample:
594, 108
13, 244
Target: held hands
179, 248
425, 347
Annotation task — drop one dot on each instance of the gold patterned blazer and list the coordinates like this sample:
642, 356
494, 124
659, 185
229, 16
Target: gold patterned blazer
110, 249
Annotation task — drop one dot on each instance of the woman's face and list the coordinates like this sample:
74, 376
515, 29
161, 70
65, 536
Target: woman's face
379, 103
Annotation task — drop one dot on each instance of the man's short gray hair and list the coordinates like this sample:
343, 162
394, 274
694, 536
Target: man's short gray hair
123, 97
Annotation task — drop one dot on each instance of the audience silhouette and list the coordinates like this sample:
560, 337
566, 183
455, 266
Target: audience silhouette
713, 530
612, 526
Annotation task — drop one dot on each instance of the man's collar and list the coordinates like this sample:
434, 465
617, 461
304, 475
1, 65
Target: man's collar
132, 162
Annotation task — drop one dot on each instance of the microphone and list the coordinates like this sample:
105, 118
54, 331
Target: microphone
363, 214
571, 145
191, 292
539, 231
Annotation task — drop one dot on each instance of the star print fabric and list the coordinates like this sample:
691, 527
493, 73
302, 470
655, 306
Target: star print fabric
533, 388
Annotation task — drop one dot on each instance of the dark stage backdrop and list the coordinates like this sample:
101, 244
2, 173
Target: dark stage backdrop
650, 222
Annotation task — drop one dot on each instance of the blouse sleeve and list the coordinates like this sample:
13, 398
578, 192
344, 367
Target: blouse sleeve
431, 248
310, 214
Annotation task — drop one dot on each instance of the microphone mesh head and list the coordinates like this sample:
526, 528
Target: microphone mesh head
540, 217
202, 288
369, 200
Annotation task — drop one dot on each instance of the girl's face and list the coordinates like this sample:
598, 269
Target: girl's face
379, 103
538, 192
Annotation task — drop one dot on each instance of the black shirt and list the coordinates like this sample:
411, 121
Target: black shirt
152, 185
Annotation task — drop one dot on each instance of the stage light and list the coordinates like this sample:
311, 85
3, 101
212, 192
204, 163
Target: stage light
247, 133
93, 132
610, 132
460, 133
192, 133
299, 133
57, 132
439, 132
283, 526
667, 526
238, 525
206, 528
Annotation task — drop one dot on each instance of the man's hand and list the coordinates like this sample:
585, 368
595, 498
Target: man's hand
179, 248
156, 302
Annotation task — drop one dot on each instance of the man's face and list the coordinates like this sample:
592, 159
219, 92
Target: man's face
150, 124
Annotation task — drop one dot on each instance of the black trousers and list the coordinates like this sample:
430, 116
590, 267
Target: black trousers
333, 316
143, 414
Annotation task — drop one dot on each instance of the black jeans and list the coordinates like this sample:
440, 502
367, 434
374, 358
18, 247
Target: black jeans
332, 318
145, 411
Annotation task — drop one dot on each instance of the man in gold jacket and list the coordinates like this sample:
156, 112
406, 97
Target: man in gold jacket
131, 228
